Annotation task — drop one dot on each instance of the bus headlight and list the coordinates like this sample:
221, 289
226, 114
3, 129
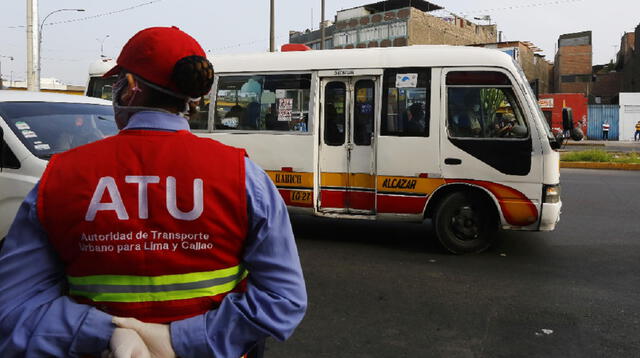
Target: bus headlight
551, 194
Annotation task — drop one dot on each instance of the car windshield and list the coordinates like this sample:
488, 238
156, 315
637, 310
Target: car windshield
47, 128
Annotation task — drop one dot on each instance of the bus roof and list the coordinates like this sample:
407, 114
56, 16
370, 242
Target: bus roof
100, 67
407, 56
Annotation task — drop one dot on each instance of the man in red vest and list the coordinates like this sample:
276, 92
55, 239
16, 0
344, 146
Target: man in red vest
153, 242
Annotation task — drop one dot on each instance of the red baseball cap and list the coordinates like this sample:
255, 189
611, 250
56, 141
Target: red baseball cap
152, 54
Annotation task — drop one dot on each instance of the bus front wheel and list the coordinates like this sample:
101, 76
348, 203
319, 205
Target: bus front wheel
464, 223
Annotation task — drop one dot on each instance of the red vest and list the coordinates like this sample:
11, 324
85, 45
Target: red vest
149, 224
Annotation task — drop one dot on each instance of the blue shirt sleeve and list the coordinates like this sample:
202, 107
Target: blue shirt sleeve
276, 297
36, 319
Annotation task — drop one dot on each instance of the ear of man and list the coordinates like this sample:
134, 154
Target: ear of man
128, 92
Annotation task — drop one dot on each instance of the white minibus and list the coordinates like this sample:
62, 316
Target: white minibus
451, 134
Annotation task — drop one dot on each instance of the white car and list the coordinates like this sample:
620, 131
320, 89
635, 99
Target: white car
36, 125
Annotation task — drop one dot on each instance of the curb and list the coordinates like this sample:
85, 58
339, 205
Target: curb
600, 165
585, 144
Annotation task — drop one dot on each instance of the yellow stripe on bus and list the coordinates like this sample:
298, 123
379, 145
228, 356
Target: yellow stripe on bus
343, 180
291, 179
408, 184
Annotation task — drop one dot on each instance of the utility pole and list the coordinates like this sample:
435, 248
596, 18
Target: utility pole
272, 35
33, 72
322, 26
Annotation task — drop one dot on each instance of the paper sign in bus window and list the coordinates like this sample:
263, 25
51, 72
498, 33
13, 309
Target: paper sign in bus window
22, 125
29, 134
285, 105
406, 80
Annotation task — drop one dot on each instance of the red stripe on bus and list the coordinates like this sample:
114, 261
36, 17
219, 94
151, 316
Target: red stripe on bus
332, 198
401, 204
286, 196
362, 200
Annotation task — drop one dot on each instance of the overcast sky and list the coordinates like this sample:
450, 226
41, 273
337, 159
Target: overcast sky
223, 26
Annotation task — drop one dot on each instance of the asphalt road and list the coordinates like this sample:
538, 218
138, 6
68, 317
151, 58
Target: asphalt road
388, 290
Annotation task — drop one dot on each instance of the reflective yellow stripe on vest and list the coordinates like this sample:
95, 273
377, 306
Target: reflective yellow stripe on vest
122, 288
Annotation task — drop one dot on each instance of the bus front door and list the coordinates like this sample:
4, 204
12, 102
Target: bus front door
347, 163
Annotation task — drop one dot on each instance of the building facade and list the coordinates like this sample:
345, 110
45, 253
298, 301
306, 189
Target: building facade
396, 23
628, 61
573, 64
536, 68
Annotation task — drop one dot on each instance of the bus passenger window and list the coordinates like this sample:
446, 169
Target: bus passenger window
335, 98
406, 99
263, 103
483, 105
364, 112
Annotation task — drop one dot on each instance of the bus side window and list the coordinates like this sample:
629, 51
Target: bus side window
405, 102
482, 104
263, 103
364, 112
335, 99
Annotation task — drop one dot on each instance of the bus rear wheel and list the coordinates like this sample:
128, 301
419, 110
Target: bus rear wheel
464, 223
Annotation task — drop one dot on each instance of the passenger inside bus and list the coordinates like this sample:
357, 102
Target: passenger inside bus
251, 116
232, 118
464, 115
334, 126
363, 126
414, 119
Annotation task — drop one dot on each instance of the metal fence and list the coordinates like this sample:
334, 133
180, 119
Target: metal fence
598, 113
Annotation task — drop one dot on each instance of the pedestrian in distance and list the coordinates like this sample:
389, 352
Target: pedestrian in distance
152, 242
605, 130
636, 136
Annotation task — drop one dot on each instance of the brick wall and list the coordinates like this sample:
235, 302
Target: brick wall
426, 29
607, 87
631, 70
573, 61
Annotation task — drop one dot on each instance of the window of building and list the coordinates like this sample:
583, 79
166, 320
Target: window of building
398, 29
405, 103
263, 103
483, 105
340, 39
382, 32
368, 34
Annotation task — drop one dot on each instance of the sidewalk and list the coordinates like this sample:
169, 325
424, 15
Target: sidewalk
605, 143
612, 146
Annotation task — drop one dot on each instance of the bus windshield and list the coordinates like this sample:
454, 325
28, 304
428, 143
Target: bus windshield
99, 87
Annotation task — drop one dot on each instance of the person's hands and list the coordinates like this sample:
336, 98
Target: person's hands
126, 343
157, 337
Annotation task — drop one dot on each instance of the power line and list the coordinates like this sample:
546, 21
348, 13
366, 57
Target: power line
92, 16
521, 6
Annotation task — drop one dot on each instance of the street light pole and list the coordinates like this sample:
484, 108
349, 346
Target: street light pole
33, 75
272, 35
322, 36
38, 67
1, 82
102, 46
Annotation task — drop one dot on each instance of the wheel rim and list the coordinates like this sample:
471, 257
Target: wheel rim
466, 223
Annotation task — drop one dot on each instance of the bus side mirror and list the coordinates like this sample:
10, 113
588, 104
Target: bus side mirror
555, 143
